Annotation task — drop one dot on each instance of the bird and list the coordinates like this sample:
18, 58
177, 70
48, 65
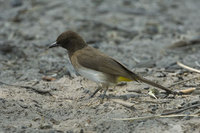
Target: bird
97, 66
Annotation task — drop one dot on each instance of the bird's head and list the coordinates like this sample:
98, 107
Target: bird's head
69, 40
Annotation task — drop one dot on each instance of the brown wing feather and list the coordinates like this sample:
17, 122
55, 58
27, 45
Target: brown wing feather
91, 58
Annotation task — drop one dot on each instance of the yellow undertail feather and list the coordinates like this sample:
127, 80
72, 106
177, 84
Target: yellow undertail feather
120, 79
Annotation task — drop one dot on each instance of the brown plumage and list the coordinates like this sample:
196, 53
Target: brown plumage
93, 59
84, 57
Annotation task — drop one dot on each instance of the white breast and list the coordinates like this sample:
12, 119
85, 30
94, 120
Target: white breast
93, 75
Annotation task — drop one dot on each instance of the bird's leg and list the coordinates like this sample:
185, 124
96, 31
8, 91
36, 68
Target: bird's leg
105, 87
95, 92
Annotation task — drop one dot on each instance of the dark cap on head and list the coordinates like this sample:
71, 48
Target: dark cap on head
69, 40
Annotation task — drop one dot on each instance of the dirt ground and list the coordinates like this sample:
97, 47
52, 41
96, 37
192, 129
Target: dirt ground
148, 36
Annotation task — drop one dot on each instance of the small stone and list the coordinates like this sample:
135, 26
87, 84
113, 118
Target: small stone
55, 122
160, 75
16, 3
45, 126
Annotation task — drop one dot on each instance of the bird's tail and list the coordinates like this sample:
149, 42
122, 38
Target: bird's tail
139, 78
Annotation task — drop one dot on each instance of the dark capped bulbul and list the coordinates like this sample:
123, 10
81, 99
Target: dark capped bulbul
95, 65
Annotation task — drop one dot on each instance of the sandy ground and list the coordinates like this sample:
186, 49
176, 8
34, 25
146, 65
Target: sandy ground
136, 33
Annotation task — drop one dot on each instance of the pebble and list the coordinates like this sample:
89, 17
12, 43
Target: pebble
16, 3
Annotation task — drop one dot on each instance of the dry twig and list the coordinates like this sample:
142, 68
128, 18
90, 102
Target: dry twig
153, 117
181, 110
188, 91
183, 43
188, 68
124, 103
177, 83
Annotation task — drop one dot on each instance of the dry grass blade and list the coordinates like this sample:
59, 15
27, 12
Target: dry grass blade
154, 116
37, 90
187, 67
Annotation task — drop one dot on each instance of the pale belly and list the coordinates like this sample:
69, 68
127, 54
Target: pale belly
93, 75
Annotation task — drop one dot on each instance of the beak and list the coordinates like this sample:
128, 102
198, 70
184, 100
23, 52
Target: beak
53, 45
